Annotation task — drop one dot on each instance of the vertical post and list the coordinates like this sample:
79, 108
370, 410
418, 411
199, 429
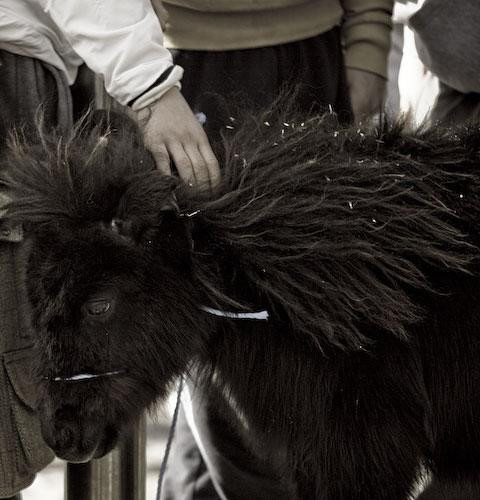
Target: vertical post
133, 457
120, 475
78, 481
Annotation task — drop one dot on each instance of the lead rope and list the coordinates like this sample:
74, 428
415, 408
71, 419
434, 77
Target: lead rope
171, 434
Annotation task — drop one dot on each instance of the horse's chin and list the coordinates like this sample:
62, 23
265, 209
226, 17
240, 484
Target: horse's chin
74, 439
76, 451
107, 443
74, 456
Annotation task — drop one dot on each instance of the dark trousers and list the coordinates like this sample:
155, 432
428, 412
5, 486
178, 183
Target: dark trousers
26, 87
29, 87
217, 84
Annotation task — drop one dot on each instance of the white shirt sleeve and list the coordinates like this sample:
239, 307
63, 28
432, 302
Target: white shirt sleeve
120, 39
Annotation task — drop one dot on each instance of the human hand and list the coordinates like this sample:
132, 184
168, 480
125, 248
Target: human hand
172, 133
367, 93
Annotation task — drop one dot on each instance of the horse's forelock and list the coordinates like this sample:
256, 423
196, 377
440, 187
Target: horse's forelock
91, 174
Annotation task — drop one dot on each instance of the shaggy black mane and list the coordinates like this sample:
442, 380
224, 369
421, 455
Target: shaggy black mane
346, 218
98, 172
333, 225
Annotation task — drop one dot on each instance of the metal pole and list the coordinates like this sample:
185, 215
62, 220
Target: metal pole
78, 481
133, 458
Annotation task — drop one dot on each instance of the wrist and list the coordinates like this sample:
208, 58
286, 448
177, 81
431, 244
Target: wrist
169, 79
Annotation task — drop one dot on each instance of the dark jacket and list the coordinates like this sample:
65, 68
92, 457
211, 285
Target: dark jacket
22, 450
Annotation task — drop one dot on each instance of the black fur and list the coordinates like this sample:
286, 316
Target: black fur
362, 245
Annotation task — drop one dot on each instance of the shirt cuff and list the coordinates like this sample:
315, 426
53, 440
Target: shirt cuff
169, 78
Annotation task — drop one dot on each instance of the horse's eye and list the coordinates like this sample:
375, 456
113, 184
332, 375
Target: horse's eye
98, 307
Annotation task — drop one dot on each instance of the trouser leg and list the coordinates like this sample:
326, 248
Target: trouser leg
27, 87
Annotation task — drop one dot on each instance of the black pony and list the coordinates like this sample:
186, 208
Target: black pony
360, 245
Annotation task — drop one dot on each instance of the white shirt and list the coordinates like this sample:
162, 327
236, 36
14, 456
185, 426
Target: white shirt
119, 39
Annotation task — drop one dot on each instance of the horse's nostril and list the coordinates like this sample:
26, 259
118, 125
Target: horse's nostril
97, 307
65, 437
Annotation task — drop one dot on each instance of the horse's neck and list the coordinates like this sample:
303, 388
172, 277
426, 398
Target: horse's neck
269, 375
220, 270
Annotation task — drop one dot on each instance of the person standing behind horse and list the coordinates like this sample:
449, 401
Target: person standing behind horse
249, 51
256, 47
245, 54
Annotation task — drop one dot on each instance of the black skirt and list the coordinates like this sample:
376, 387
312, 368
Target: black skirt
218, 84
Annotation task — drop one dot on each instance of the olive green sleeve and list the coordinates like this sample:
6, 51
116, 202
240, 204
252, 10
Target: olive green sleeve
366, 34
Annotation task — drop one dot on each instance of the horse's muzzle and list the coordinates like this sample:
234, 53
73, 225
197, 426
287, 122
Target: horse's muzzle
74, 439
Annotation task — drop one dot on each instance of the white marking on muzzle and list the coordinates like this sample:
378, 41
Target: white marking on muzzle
258, 315
86, 376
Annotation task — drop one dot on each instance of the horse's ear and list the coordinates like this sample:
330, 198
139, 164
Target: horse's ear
170, 237
176, 242
170, 205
